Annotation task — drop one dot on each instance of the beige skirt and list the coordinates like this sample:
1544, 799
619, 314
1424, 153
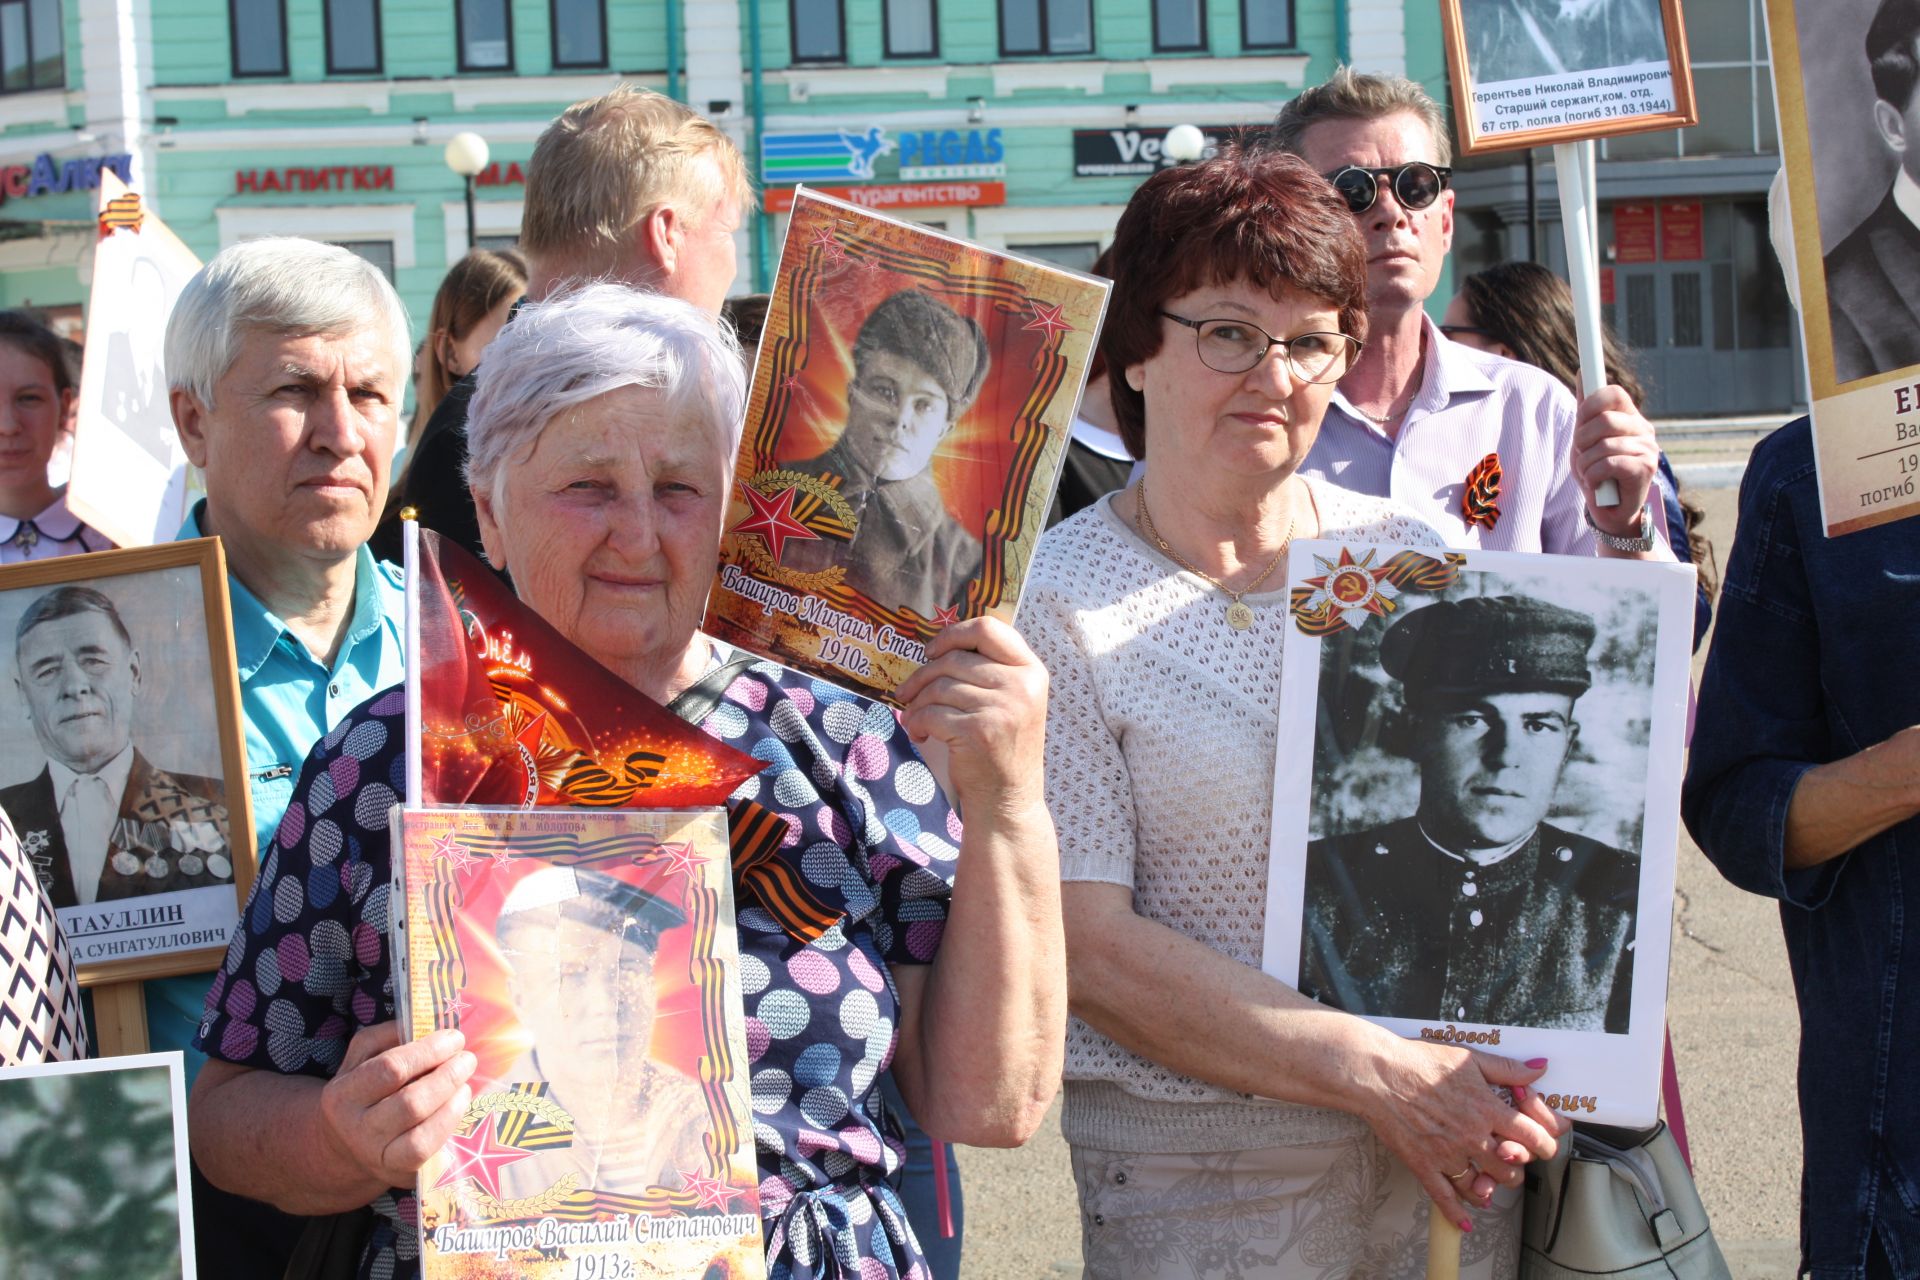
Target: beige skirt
1342, 1210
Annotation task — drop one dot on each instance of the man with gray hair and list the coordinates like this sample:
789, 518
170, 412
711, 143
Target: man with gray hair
287, 364
1492, 453
917, 366
629, 187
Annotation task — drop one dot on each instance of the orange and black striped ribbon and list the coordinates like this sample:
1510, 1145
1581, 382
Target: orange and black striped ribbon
121, 213
1480, 500
755, 833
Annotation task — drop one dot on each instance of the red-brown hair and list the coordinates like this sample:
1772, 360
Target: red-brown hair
1248, 214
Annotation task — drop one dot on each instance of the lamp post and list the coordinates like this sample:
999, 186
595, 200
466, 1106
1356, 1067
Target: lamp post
1183, 144
467, 156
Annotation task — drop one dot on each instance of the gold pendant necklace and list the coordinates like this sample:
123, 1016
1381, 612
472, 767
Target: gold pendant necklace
1239, 613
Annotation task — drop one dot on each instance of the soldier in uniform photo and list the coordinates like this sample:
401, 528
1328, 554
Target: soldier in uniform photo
1873, 276
918, 364
1527, 39
1475, 909
580, 945
100, 821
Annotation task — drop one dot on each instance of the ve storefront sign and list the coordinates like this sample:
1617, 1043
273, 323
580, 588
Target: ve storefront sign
1131, 153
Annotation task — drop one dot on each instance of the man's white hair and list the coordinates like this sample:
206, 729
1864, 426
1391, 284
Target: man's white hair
284, 285
577, 345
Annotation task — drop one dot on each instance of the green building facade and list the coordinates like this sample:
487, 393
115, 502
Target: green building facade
1017, 123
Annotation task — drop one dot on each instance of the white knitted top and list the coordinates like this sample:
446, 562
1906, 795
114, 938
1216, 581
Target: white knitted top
1161, 730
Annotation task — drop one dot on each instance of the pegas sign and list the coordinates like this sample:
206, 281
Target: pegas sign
1131, 153
949, 153
48, 176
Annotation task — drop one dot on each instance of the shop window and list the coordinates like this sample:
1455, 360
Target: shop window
259, 37
353, 37
912, 28
579, 33
31, 56
819, 31
485, 34
1179, 26
1075, 255
1046, 26
1266, 24
378, 252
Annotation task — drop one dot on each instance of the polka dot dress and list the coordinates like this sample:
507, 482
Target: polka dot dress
866, 827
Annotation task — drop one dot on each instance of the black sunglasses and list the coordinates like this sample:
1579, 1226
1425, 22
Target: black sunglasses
1415, 184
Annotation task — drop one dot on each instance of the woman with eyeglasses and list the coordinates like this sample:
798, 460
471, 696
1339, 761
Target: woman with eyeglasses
1221, 1123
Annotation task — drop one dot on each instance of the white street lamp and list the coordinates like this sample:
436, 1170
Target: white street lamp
1183, 144
467, 156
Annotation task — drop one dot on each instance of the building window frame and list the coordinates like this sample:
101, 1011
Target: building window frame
1293, 27
886, 31
553, 28
379, 44
1200, 46
1046, 49
840, 36
460, 40
59, 67
233, 37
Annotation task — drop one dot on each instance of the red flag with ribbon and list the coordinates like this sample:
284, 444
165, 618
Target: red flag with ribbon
513, 714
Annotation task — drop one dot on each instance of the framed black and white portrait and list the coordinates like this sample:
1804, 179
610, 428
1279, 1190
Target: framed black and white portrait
125, 772
1847, 84
1528, 73
1476, 804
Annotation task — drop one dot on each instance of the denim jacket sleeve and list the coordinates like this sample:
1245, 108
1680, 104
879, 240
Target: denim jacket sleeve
1762, 720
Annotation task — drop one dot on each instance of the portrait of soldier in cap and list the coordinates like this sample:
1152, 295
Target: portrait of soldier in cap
918, 364
99, 820
1474, 908
580, 948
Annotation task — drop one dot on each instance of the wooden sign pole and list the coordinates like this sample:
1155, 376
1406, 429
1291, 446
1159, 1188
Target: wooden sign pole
1443, 1246
1573, 164
120, 1019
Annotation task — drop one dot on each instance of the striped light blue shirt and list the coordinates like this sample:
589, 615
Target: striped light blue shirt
1469, 404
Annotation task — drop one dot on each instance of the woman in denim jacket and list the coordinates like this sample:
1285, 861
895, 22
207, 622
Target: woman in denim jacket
1804, 785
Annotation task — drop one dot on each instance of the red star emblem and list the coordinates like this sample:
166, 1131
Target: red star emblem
502, 858
682, 860
828, 244
479, 1155
709, 1193
459, 1006
450, 849
946, 617
772, 520
530, 733
1048, 321
790, 383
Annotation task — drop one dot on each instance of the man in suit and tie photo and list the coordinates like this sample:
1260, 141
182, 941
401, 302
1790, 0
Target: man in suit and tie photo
100, 821
1871, 274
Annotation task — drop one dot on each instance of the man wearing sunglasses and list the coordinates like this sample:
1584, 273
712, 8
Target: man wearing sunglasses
1428, 421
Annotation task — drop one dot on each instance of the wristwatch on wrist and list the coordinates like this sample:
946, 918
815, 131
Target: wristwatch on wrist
1641, 541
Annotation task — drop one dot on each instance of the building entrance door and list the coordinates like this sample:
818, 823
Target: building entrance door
1663, 312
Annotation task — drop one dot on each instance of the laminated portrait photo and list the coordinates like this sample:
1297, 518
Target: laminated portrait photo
126, 777
589, 959
909, 414
1845, 82
93, 1170
1476, 805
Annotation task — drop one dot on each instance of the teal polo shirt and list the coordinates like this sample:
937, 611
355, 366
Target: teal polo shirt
289, 700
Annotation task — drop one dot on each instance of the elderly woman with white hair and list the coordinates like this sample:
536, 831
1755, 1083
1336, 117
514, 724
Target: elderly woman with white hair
602, 440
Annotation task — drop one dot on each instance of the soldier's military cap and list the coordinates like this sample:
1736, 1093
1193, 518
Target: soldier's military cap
642, 915
1485, 644
923, 329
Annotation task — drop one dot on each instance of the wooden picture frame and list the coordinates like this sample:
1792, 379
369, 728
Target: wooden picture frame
1529, 96
179, 857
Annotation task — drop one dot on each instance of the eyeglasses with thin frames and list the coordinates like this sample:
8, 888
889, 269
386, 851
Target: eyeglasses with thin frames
1235, 346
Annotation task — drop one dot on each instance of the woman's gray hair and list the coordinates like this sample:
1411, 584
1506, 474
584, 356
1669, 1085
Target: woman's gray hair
281, 284
575, 346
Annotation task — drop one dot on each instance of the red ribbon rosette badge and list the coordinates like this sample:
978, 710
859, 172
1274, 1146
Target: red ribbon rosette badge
1480, 502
